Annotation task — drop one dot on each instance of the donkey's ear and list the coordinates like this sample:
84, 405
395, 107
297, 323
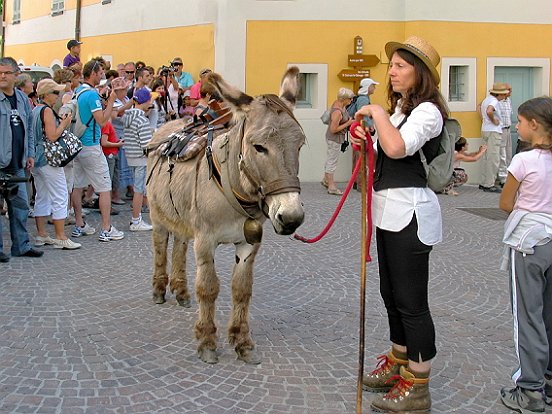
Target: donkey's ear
289, 88
237, 100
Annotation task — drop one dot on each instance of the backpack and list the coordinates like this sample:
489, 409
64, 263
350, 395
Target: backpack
352, 107
72, 107
439, 170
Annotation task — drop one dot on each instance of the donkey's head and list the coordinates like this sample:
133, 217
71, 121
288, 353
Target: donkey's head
269, 139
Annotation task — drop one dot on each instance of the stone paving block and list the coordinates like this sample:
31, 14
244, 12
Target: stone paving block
90, 340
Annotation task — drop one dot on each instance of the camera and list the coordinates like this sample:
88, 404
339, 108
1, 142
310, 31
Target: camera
165, 70
344, 146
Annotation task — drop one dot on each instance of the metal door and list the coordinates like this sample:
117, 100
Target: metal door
521, 79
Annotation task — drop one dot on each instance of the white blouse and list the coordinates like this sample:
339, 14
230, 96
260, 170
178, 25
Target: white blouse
392, 208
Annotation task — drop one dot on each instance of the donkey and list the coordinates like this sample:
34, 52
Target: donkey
222, 196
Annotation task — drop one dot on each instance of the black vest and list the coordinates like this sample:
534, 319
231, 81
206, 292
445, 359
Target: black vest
403, 172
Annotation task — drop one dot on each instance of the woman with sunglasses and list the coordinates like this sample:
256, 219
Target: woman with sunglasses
51, 189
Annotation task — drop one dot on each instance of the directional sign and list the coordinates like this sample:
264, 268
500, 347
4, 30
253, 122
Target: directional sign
363, 60
352, 75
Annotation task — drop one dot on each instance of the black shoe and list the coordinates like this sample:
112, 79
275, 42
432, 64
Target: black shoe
33, 253
4, 258
492, 189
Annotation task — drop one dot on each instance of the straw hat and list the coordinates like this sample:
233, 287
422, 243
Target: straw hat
48, 85
499, 88
420, 48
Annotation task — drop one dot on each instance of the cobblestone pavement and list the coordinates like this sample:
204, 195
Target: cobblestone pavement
80, 333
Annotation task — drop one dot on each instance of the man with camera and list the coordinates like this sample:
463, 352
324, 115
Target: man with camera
16, 155
90, 166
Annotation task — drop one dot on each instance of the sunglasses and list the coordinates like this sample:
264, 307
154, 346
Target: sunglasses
55, 92
130, 72
177, 64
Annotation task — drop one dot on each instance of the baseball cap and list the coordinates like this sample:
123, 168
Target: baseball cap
46, 86
73, 43
365, 85
142, 95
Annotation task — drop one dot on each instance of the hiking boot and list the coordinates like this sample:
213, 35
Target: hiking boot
379, 380
66, 244
522, 400
111, 234
548, 389
85, 230
408, 395
41, 241
140, 226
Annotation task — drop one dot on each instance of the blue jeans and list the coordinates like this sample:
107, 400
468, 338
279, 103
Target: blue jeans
18, 211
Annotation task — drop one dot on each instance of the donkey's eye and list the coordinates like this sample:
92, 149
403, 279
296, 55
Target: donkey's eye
261, 149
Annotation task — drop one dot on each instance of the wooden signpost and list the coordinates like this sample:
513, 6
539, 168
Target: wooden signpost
359, 62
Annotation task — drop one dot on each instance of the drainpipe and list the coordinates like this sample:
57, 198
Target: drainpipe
3, 29
78, 21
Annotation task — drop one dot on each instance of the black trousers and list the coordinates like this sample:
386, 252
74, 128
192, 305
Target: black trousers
404, 275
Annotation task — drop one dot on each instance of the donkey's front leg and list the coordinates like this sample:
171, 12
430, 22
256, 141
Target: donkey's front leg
242, 288
160, 279
207, 290
179, 282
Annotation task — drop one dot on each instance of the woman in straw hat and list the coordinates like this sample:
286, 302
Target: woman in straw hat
408, 222
51, 189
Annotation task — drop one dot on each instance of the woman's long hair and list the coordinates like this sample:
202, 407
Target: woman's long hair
539, 109
425, 88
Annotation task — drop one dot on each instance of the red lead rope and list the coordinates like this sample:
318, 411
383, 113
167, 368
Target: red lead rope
370, 183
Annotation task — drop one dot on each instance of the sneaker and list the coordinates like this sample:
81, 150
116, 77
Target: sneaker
31, 212
548, 390
140, 226
85, 230
66, 244
522, 400
112, 234
41, 241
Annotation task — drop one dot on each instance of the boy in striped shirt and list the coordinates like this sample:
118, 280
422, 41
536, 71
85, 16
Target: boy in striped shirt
138, 133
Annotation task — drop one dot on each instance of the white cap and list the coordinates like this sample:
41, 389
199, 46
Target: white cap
365, 84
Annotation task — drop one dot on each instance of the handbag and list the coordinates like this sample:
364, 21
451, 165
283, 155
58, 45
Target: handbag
61, 152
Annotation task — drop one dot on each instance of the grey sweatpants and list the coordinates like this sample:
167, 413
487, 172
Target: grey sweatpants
531, 290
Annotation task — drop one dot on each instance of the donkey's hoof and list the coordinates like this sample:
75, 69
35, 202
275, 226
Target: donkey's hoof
249, 356
158, 299
184, 302
208, 356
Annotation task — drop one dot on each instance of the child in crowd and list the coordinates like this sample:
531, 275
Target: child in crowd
459, 175
110, 147
138, 133
187, 110
528, 238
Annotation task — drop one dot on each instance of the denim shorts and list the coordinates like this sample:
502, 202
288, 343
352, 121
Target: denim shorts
139, 174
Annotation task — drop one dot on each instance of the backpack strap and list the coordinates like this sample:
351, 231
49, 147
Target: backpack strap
91, 116
41, 114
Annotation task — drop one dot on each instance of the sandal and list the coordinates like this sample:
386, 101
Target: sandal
324, 183
335, 191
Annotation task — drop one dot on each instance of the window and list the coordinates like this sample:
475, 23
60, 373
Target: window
16, 11
106, 1
458, 76
307, 82
57, 7
458, 83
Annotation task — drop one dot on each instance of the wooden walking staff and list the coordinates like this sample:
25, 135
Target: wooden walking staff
366, 171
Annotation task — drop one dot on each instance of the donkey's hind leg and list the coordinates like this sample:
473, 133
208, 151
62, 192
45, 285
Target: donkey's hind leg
242, 288
179, 282
160, 238
207, 290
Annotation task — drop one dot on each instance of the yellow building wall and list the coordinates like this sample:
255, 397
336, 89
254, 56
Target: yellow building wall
151, 46
271, 45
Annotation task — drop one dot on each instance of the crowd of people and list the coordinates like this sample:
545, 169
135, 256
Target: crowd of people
121, 108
